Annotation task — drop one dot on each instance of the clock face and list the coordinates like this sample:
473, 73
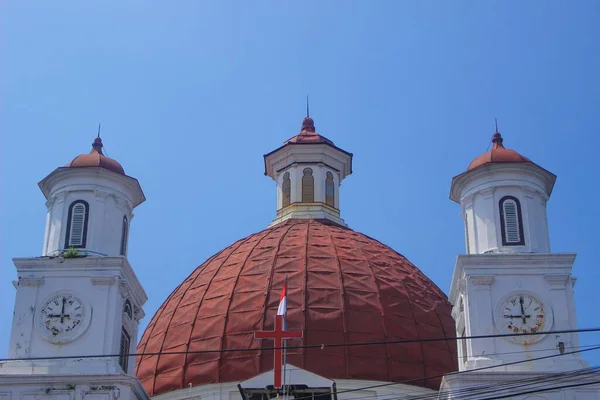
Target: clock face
522, 313
62, 318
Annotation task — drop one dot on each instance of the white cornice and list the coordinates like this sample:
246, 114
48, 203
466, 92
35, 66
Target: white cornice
95, 267
93, 178
530, 175
308, 153
550, 264
58, 381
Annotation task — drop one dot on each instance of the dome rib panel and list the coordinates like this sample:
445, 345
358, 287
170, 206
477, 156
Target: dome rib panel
344, 287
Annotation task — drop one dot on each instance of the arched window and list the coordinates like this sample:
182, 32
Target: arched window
124, 349
127, 309
286, 189
511, 222
124, 234
329, 190
308, 186
77, 224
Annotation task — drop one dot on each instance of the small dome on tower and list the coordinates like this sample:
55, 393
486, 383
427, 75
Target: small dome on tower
498, 154
308, 134
96, 159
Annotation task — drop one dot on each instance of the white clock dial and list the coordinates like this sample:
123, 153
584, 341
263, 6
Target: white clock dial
63, 317
522, 313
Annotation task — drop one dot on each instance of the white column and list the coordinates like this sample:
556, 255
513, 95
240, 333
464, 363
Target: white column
479, 313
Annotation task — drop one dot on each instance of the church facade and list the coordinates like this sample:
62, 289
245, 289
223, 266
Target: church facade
372, 325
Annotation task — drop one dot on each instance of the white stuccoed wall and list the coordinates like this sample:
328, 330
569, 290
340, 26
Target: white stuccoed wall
479, 193
71, 387
102, 283
110, 197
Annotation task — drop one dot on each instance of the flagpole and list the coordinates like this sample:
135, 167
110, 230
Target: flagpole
284, 343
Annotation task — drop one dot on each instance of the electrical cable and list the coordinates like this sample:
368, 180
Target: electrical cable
470, 392
307, 346
409, 381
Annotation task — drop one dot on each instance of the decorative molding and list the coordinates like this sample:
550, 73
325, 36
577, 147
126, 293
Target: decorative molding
50, 202
103, 280
481, 280
488, 192
100, 195
529, 192
462, 286
30, 281
557, 280
138, 313
122, 203
123, 288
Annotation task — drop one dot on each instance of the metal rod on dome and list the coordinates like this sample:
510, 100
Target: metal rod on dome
99, 124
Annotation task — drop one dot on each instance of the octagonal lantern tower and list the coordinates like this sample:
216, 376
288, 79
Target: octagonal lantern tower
308, 169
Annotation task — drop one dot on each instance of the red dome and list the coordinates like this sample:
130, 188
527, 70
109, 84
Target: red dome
498, 154
97, 159
308, 134
343, 287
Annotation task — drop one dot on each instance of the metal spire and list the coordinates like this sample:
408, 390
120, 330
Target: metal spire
99, 124
307, 109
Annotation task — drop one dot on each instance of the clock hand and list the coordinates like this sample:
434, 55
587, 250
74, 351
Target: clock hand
522, 310
62, 312
516, 316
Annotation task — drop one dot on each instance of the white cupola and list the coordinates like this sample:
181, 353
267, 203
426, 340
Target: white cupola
503, 199
308, 170
90, 204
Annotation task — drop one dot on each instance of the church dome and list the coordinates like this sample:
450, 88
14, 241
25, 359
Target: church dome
96, 159
498, 154
343, 287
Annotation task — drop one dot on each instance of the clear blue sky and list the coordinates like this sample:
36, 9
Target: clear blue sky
191, 94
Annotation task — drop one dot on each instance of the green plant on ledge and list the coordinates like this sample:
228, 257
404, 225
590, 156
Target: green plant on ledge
71, 252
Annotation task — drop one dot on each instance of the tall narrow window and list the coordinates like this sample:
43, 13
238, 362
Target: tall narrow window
124, 234
124, 350
329, 190
308, 186
286, 190
77, 224
511, 222
464, 345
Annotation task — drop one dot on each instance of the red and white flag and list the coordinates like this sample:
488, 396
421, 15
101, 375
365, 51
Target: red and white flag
282, 309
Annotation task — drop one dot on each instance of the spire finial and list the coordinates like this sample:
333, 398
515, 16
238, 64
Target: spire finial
496, 121
97, 145
307, 108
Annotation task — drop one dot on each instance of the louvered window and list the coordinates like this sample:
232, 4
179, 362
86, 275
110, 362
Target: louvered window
511, 222
464, 345
286, 189
329, 190
77, 224
308, 186
124, 234
124, 350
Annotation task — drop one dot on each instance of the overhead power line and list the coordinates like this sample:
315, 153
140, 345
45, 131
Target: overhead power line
306, 346
475, 392
414, 380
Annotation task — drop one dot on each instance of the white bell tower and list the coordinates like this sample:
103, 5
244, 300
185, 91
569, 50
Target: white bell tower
78, 306
509, 283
